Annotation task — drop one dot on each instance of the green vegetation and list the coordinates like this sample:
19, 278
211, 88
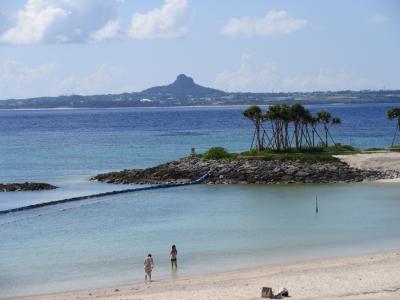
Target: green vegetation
306, 155
218, 153
290, 127
392, 114
299, 157
337, 148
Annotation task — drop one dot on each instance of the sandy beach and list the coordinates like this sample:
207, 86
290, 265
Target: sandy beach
380, 161
374, 276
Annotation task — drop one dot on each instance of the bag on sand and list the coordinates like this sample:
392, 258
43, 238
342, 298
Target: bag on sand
283, 292
266, 292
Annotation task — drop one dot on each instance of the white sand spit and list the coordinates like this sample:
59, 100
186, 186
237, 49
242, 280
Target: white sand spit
382, 161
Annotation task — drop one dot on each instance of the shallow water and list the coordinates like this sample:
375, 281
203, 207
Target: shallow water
214, 227
102, 242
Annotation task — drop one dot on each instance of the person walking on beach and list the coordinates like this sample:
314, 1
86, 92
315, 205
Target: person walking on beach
174, 253
148, 267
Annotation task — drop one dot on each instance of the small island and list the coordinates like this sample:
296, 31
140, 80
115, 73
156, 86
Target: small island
294, 147
25, 186
253, 168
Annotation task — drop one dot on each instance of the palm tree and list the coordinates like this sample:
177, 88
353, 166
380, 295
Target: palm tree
297, 112
394, 113
335, 121
324, 117
254, 114
285, 118
272, 115
306, 120
314, 123
280, 117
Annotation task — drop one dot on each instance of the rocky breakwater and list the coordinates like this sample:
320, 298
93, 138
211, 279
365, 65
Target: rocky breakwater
243, 171
26, 186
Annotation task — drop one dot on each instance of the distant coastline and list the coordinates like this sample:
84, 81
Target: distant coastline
177, 106
184, 92
16, 107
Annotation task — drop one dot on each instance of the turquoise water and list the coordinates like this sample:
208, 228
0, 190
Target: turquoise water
215, 228
102, 242
70, 145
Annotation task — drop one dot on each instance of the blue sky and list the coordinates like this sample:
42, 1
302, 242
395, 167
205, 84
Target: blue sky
62, 47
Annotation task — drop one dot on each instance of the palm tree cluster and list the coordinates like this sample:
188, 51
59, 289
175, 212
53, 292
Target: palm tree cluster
392, 114
290, 126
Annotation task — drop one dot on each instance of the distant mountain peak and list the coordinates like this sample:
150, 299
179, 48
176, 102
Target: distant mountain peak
183, 79
183, 87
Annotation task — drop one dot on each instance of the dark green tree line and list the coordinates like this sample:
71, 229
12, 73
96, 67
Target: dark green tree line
290, 127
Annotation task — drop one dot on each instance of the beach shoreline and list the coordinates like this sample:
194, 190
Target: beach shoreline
369, 276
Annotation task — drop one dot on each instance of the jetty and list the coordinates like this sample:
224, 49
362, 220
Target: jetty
92, 196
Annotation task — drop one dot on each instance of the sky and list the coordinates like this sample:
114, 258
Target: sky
64, 47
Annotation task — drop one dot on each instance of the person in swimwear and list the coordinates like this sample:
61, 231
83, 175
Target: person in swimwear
148, 267
174, 254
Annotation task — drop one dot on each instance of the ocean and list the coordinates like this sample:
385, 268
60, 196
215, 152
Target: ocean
103, 242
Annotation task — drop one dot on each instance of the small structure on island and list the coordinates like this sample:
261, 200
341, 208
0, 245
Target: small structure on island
193, 152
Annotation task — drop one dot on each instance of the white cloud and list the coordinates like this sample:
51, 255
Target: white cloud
378, 19
18, 80
62, 21
255, 77
33, 22
273, 23
109, 31
80, 21
168, 21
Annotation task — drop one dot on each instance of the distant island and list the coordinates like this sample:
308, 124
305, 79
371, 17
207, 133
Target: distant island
185, 92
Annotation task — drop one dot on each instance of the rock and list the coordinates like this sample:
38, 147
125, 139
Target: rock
244, 171
302, 174
291, 170
26, 186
